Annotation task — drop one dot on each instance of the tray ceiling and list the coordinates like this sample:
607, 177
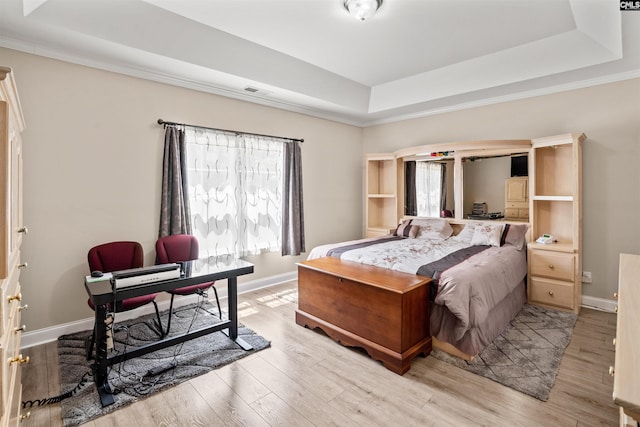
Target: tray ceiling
413, 58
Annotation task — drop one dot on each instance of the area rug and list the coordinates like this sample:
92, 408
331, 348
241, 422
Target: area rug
527, 355
131, 379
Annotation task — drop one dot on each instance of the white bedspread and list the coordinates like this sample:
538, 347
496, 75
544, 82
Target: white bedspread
469, 290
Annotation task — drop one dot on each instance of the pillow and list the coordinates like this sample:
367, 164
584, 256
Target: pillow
405, 229
433, 228
515, 235
487, 234
466, 234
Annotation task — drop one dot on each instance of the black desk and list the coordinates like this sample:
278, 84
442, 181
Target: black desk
195, 272
486, 217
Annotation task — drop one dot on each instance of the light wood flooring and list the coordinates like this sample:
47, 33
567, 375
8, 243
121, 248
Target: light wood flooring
306, 379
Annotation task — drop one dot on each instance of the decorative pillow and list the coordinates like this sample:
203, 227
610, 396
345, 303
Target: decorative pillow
487, 234
515, 235
433, 228
466, 234
405, 229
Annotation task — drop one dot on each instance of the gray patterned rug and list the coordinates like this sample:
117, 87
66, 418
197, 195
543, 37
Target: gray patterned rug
527, 355
130, 378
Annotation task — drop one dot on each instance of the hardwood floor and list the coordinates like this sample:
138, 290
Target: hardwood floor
306, 379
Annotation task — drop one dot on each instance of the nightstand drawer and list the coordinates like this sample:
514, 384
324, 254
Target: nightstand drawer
556, 265
552, 292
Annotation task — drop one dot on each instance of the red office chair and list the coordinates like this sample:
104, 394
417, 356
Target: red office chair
180, 248
116, 256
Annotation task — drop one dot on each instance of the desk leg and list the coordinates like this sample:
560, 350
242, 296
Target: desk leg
232, 290
100, 373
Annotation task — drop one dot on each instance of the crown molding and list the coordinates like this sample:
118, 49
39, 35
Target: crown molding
154, 75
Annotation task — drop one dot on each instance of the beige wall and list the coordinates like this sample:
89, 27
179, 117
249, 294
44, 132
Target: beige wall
93, 153
92, 160
610, 117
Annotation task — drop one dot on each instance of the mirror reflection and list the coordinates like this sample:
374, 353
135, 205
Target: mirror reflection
495, 187
429, 188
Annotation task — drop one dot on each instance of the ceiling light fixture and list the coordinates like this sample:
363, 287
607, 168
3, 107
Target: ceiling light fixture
362, 9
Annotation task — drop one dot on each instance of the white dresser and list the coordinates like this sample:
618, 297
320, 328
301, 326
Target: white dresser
626, 371
11, 234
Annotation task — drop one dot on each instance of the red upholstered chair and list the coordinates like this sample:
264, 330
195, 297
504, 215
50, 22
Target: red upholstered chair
116, 256
180, 248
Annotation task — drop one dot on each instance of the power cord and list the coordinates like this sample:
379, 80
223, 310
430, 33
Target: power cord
139, 385
56, 399
144, 383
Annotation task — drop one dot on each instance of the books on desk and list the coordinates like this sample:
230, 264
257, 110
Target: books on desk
142, 275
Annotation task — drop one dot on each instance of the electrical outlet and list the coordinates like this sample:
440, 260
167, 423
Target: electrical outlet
586, 277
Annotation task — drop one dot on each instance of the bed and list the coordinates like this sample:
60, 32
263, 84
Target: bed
478, 275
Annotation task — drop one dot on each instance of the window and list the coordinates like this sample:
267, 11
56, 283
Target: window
235, 192
429, 179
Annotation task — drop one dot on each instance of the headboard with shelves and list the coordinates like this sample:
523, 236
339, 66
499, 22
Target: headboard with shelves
550, 201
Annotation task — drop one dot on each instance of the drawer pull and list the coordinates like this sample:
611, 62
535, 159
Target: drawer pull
25, 416
615, 295
611, 371
23, 265
613, 341
23, 307
551, 266
23, 230
19, 360
550, 293
615, 309
16, 297
20, 329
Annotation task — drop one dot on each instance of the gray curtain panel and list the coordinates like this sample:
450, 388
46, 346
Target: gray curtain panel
410, 197
175, 217
292, 208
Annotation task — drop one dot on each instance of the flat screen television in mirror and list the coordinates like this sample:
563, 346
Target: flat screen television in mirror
520, 165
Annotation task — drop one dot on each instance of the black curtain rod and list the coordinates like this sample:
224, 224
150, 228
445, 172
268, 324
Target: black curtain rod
162, 122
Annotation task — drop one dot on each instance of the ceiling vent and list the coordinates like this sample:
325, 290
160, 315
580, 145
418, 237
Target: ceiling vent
257, 91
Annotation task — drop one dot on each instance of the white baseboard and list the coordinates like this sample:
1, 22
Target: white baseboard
45, 335
599, 303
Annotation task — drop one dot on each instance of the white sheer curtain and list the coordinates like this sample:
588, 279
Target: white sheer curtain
235, 193
429, 188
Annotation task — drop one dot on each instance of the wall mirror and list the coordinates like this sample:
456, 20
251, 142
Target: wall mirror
429, 187
488, 190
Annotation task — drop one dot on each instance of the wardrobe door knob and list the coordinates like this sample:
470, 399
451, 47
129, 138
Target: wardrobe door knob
19, 360
16, 297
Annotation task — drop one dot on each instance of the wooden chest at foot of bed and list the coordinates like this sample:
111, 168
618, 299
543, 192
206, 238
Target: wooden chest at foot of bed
383, 311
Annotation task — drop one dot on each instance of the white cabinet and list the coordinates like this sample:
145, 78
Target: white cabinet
516, 199
11, 234
555, 269
626, 375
